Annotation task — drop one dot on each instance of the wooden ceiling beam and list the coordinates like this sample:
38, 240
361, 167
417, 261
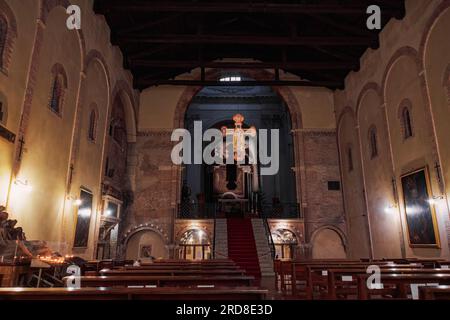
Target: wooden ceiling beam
251, 40
389, 7
302, 83
291, 65
149, 24
143, 53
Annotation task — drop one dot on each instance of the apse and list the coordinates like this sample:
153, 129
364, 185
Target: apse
258, 107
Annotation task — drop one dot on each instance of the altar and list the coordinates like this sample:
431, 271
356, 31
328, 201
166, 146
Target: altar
235, 185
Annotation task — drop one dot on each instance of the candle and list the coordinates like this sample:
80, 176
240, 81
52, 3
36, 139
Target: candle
15, 251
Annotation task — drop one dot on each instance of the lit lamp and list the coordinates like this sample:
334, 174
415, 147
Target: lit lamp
85, 213
23, 185
390, 208
75, 201
435, 199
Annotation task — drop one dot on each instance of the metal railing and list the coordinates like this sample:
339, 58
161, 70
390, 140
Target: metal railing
269, 237
284, 210
214, 239
189, 210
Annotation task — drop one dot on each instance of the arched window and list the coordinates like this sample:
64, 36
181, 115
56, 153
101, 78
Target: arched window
117, 131
3, 38
58, 88
285, 242
407, 126
350, 158
373, 142
92, 125
2, 113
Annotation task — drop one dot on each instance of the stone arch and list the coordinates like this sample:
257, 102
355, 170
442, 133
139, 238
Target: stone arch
147, 227
432, 21
9, 15
134, 243
352, 183
124, 92
402, 52
95, 55
435, 20
331, 238
92, 57
347, 110
47, 6
292, 106
371, 86
185, 229
417, 58
10, 36
284, 92
342, 154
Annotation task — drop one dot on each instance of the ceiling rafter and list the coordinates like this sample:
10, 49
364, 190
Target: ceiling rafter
391, 8
250, 40
320, 42
292, 65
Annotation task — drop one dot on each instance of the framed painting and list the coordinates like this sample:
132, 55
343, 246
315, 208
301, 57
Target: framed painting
83, 220
145, 251
420, 213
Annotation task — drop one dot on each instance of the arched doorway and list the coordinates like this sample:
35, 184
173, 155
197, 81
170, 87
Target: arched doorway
194, 245
145, 245
327, 244
285, 242
207, 186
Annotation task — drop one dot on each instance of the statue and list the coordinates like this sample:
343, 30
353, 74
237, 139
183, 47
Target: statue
185, 192
11, 238
8, 230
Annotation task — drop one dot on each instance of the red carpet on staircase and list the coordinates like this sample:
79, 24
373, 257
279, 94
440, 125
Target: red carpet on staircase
241, 245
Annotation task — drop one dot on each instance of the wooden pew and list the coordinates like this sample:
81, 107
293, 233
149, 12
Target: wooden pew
434, 293
282, 268
444, 264
190, 267
165, 281
337, 286
316, 274
401, 283
296, 272
93, 267
172, 272
188, 294
210, 262
301, 272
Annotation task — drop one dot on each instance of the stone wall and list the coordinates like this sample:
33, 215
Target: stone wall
52, 153
408, 70
321, 206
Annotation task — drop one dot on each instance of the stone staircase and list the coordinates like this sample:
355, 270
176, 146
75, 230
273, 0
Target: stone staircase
262, 246
221, 239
